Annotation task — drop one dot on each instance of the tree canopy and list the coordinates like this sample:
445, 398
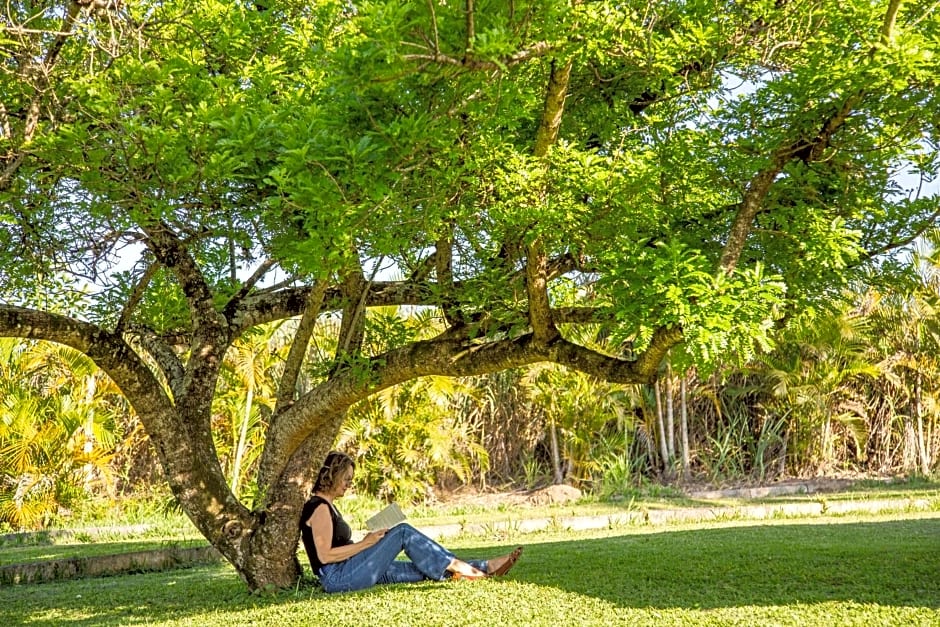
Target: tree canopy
680, 174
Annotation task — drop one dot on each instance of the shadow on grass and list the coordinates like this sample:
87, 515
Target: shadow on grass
895, 563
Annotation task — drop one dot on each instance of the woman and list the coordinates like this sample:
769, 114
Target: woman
343, 565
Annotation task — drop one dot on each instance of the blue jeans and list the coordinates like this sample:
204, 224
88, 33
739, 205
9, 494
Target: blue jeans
377, 564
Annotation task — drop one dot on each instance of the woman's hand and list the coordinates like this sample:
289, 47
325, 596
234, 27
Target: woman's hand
373, 537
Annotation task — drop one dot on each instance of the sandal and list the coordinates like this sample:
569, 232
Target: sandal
511, 560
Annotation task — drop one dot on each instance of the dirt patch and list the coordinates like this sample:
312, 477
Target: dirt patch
555, 494
494, 498
506, 495
779, 488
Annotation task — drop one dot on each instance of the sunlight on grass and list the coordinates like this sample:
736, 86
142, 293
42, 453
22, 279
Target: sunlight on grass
879, 570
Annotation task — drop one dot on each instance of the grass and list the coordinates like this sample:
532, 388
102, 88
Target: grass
851, 570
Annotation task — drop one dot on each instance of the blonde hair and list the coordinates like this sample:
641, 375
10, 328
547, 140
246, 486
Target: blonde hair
334, 465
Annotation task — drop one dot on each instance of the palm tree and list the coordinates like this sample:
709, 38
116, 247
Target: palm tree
249, 374
910, 338
96, 402
578, 409
57, 430
814, 379
409, 437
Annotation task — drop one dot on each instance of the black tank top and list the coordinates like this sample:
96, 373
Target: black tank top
342, 533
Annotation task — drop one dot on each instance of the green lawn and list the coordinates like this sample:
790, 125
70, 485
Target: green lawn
859, 570
173, 528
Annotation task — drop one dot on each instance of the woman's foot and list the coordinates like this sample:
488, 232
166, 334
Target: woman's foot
462, 570
501, 565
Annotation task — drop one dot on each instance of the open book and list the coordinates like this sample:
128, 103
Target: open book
387, 518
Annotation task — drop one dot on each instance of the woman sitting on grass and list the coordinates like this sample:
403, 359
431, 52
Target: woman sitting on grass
343, 565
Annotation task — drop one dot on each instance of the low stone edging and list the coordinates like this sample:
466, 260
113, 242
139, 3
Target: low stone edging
99, 566
665, 516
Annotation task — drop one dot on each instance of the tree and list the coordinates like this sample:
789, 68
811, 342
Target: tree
815, 382
407, 436
680, 172
577, 410
908, 335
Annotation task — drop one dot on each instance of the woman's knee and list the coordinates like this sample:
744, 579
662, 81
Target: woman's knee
402, 530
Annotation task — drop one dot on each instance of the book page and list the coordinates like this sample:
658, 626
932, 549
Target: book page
387, 518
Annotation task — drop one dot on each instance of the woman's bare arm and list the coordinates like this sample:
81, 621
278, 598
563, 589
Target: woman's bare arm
322, 525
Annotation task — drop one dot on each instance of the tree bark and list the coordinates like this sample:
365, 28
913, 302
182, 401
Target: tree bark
670, 415
559, 476
922, 457
661, 428
287, 388
684, 424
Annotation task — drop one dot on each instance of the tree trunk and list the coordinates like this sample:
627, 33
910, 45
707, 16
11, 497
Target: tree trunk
670, 416
88, 470
262, 545
909, 445
272, 555
828, 450
556, 454
661, 427
242, 437
684, 425
922, 458
922, 447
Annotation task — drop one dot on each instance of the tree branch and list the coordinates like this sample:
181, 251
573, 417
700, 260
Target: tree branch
451, 358
250, 283
211, 331
807, 151
288, 302
167, 360
927, 224
553, 108
891, 16
173, 253
355, 290
137, 294
754, 196
424, 267
804, 150
537, 50
536, 268
108, 350
445, 278
298, 349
